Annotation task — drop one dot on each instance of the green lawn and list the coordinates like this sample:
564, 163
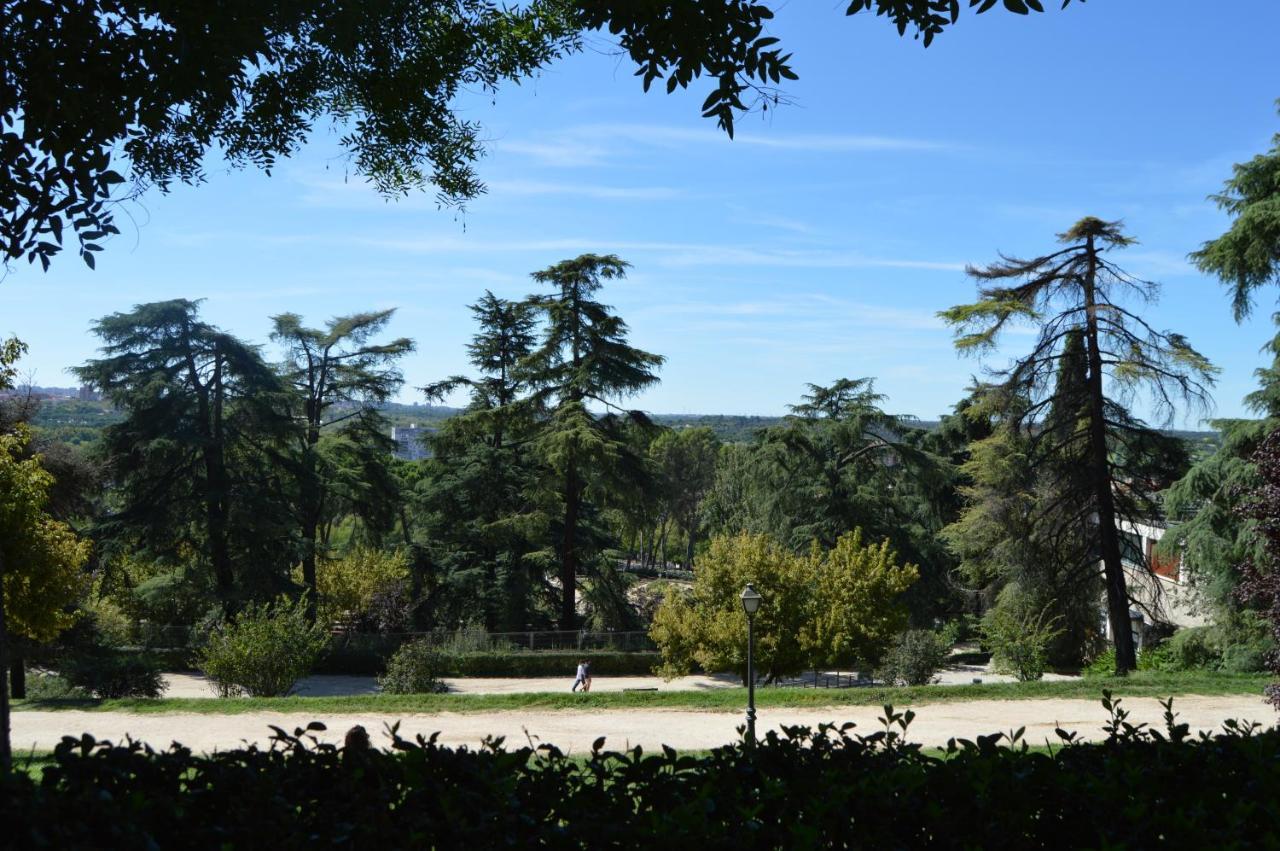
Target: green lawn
32, 762
1142, 684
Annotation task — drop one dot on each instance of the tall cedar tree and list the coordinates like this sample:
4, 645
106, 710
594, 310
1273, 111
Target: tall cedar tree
475, 490
338, 377
192, 397
1024, 536
1247, 257
1069, 292
584, 359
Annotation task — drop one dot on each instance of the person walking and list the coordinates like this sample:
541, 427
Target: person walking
586, 673
581, 679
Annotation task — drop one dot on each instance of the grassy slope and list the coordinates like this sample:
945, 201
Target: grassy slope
1143, 684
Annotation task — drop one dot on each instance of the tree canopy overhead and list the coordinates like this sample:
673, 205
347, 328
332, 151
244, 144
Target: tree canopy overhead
101, 99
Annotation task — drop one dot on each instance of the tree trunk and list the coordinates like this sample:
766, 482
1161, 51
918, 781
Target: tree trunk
310, 497
18, 677
1108, 535
216, 487
688, 549
569, 551
6, 753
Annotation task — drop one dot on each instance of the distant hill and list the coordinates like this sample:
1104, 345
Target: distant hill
79, 422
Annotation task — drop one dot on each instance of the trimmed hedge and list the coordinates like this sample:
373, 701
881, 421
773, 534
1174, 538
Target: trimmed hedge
368, 655
799, 789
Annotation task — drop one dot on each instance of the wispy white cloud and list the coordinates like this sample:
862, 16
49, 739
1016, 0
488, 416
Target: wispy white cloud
812, 308
595, 144
585, 190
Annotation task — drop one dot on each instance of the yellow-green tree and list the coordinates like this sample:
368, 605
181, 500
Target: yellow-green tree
40, 562
347, 585
827, 606
857, 605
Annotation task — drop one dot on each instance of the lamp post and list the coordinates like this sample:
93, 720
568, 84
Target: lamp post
751, 604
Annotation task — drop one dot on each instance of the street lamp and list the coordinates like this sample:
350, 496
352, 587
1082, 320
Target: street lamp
751, 604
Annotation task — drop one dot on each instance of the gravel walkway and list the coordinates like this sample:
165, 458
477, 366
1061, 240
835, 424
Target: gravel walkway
575, 731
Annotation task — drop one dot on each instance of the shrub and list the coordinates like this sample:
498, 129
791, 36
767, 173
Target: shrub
1019, 640
45, 685
264, 651
1192, 649
114, 674
838, 606
416, 668
958, 630
913, 658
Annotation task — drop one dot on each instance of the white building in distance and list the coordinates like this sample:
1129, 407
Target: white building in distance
411, 444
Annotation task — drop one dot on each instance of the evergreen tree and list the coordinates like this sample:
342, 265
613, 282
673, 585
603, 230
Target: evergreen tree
1209, 532
840, 462
1071, 294
583, 359
338, 377
685, 462
474, 495
184, 462
1024, 537
1247, 257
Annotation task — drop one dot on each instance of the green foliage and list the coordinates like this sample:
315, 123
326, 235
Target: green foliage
43, 685
797, 788
349, 585
1210, 533
1064, 404
584, 357
1190, 649
839, 463
958, 630
40, 558
840, 606
254, 85
857, 603
114, 674
913, 658
1247, 257
264, 651
708, 628
337, 375
1019, 638
194, 480
416, 668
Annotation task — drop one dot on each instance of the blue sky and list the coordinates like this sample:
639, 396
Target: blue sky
818, 244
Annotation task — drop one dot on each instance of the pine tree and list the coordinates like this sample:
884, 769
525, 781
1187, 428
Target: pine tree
474, 495
1072, 294
583, 359
338, 377
1024, 537
195, 400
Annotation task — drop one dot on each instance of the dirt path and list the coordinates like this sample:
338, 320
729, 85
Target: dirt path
684, 730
